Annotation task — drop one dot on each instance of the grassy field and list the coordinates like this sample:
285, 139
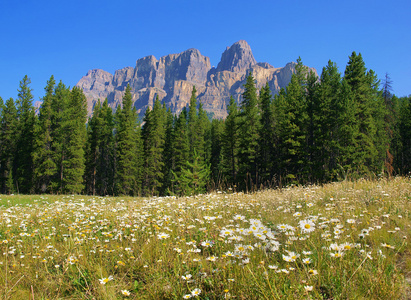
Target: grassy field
347, 240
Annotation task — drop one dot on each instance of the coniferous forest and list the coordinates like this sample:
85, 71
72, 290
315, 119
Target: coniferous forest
316, 130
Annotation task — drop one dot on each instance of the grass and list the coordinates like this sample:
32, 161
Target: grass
347, 240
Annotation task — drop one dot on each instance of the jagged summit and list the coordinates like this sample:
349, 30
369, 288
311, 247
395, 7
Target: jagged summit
237, 58
173, 76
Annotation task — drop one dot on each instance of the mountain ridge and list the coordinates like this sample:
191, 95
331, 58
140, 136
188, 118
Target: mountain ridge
172, 77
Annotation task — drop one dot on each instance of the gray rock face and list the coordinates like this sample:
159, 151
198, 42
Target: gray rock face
172, 78
237, 58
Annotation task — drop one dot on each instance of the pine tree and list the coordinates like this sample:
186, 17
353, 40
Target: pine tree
92, 153
249, 129
105, 163
128, 148
59, 107
181, 150
231, 142
168, 153
153, 134
193, 178
8, 146
356, 77
292, 118
328, 110
23, 163
44, 166
216, 160
75, 128
267, 134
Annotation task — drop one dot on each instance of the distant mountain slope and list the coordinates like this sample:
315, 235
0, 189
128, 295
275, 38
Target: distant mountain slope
172, 78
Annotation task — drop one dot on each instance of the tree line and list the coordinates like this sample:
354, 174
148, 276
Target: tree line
316, 130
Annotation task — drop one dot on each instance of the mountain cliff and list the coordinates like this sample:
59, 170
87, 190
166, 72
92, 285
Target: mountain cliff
172, 78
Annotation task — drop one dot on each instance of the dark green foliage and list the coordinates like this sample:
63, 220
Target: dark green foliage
362, 94
193, 178
216, 157
75, 129
249, 130
23, 162
154, 134
44, 165
128, 149
8, 146
59, 106
292, 117
315, 130
99, 155
231, 142
267, 135
181, 150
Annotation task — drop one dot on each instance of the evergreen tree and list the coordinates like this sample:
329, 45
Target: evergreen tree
328, 111
128, 151
105, 162
154, 140
75, 128
23, 163
193, 178
267, 136
59, 107
356, 77
44, 165
292, 118
92, 153
231, 142
8, 146
216, 157
181, 151
168, 153
249, 129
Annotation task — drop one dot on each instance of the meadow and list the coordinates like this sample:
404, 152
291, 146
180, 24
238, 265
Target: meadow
346, 240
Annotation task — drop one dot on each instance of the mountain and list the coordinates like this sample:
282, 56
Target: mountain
173, 76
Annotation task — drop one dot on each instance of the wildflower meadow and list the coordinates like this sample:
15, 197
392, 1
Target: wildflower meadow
346, 240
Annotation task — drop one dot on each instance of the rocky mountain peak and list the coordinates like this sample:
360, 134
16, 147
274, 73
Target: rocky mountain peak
237, 58
173, 76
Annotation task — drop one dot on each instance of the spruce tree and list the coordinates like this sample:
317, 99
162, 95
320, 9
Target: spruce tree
59, 107
216, 157
267, 137
356, 77
292, 117
44, 166
105, 162
92, 152
249, 129
168, 153
231, 142
181, 151
75, 128
329, 109
23, 163
128, 148
8, 146
153, 134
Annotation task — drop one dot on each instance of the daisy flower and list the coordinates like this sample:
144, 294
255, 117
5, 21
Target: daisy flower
105, 280
307, 226
196, 292
162, 236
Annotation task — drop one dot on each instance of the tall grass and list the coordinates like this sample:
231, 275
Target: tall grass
214, 246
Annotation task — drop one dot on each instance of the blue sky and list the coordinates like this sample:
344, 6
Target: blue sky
67, 38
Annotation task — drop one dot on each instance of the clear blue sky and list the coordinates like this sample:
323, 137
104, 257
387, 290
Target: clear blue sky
67, 38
